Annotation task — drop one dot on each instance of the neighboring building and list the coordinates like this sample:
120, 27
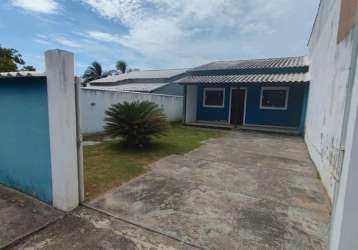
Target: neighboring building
148, 81
259, 94
332, 114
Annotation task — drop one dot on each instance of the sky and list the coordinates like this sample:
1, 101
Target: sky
156, 34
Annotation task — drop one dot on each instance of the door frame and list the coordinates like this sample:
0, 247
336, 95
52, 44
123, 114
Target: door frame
244, 118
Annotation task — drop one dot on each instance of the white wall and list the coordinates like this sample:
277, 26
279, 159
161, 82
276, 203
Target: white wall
332, 120
329, 69
345, 217
94, 103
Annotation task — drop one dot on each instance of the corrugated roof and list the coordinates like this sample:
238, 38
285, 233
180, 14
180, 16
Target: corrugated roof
21, 74
286, 62
142, 74
264, 78
132, 87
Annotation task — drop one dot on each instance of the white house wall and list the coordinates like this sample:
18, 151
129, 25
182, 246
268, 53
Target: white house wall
329, 69
94, 103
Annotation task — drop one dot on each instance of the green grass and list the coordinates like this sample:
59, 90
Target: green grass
111, 164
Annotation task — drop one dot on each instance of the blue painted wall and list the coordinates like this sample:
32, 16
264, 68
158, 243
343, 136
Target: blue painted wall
285, 118
212, 114
25, 162
171, 89
292, 117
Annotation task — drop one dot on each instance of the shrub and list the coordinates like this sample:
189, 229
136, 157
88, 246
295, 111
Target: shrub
136, 122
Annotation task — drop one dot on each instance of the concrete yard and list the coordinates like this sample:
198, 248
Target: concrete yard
21, 215
87, 229
245, 190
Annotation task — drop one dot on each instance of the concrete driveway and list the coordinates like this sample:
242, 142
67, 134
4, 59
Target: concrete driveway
243, 191
21, 216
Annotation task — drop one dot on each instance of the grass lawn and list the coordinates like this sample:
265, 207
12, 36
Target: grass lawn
110, 164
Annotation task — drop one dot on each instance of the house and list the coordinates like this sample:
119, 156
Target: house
148, 81
255, 94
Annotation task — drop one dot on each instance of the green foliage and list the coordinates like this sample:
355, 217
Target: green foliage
28, 68
121, 66
136, 122
10, 59
93, 72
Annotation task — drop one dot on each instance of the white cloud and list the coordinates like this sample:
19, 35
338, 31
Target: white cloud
41, 6
102, 36
67, 42
41, 39
188, 32
129, 11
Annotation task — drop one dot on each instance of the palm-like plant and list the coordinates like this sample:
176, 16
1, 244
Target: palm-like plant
121, 66
93, 72
136, 122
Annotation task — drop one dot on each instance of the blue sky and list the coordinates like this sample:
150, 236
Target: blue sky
151, 34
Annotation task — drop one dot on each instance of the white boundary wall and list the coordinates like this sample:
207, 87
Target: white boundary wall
332, 120
94, 103
345, 218
330, 65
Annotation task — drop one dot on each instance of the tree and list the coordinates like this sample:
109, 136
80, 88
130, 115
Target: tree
136, 122
10, 59
28, 68
121, 66
93, 72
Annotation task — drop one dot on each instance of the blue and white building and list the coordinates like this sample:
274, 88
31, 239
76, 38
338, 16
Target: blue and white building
259, 94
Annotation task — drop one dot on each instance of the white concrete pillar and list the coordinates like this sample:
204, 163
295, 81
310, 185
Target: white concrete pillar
62, 122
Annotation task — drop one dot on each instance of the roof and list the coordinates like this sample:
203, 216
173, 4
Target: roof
132, 87
253, 78
21, 74
142, 74
271, 70
268, 63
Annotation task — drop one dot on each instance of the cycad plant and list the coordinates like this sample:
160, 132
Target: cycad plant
135, 122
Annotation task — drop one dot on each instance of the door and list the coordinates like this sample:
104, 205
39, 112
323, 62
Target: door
237, 106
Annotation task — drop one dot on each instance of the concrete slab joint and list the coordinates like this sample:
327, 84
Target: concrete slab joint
62, 123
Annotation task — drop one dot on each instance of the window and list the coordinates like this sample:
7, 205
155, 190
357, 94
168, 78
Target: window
214, 97
274, 98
